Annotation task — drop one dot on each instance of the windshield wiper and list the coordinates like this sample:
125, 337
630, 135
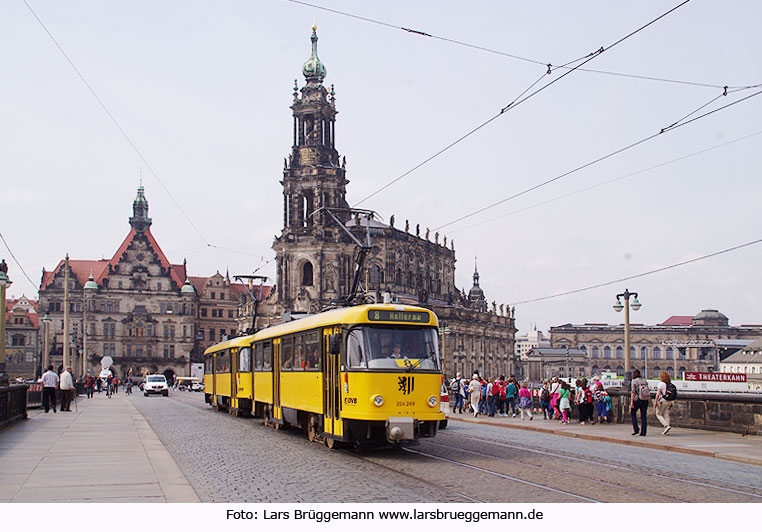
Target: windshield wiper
418, 361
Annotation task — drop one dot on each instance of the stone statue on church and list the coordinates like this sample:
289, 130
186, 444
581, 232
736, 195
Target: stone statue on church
494, 308
445, 241
427, 233
502, 309
417, 229
391, 221
344, 161
436, 237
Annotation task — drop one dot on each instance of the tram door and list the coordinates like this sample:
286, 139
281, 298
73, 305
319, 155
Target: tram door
276, 380
233, 380
214, 378
331, 386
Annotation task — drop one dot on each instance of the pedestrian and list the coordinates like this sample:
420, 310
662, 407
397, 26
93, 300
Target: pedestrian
525, 401
511, 393
493, 394
98, 384
547, 412
600, 402
502, 401
49, 381
555, 397
67, 389
639, 399
586, 405
455, 390
89, 385
474, 391
564, 404
483, 398
579, 397
128, 386
662, 404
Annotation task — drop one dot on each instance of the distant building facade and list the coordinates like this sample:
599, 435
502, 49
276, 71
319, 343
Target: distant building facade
316, 258
747, 360
217, 310
681, 343
138, 308
22, 347
531, 340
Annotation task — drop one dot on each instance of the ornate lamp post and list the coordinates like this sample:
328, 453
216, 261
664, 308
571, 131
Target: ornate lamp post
4, 282
618, 307
46, 350
87, 293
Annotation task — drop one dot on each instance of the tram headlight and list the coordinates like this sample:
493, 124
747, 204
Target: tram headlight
432, 401
378, 400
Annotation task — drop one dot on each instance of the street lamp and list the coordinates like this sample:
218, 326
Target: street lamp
618, 307
87, 293
4, 282
46, 350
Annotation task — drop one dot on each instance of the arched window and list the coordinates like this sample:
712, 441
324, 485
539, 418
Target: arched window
619, 352
670, 356
607, 352
657, 353
399, 277
376, 275
671, 370
583, 348
307, 274
682, 369
139, 329
620, 370
595, 351
633, 352
657, 370
644, 353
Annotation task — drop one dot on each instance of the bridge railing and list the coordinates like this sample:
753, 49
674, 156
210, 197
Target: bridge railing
12, 403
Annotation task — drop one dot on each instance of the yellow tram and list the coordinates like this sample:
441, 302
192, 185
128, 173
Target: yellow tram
363, 375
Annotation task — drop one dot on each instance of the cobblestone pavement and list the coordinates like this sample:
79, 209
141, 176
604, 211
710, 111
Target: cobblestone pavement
228, 459
240, 460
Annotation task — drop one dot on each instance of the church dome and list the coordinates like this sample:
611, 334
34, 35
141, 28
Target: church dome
314, 69
710, 317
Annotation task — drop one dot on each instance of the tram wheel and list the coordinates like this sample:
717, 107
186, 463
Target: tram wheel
331, 443
312, 433
277, 426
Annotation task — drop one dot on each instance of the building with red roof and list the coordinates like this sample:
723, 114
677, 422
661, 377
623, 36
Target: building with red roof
135, 307
21, 338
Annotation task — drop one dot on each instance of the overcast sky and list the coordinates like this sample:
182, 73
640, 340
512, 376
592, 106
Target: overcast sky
203, 90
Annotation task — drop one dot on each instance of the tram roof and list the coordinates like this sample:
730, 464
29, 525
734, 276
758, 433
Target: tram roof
356, 314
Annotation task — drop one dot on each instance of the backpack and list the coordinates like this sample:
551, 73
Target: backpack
484, 391
545, 395
496, 389
588, 395
455, 386
671, 393
643, 392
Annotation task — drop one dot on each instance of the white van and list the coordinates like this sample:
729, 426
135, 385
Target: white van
155, 384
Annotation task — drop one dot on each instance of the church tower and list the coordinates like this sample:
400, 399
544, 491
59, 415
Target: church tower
310, 272
140, 220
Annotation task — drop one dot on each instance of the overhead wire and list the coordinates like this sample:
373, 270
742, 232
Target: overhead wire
17, 263
503, 53
639, 275
114, 120
523, 98
604, 183
680, 123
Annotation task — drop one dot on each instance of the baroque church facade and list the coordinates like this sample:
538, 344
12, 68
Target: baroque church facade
316, 258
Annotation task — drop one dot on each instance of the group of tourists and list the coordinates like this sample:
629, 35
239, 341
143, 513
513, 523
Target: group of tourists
51, 382
494, 396
509, 397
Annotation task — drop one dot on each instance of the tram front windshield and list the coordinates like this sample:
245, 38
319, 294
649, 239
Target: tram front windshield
400, 348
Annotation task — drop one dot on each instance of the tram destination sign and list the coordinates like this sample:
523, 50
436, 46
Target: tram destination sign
715, 377
399, 316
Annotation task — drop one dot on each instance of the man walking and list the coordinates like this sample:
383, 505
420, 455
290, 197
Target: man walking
639, 398
455, 389
67, 388
49, 382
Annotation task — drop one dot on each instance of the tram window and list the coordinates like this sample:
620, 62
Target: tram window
208, 365
355, 355
258, 356
267, 356
287, 352
244, 360
312, 350
298, 361
223, 362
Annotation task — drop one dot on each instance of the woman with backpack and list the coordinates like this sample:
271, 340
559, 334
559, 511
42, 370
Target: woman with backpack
547, 411
555, 389
600, 402
664, 401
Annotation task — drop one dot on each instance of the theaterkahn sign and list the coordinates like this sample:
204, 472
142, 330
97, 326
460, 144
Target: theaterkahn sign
715, 377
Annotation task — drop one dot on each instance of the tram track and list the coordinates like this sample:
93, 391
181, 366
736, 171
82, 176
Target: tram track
609, 465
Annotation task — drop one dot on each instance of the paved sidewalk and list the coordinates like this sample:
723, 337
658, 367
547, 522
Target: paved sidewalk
723, 445
104, 451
